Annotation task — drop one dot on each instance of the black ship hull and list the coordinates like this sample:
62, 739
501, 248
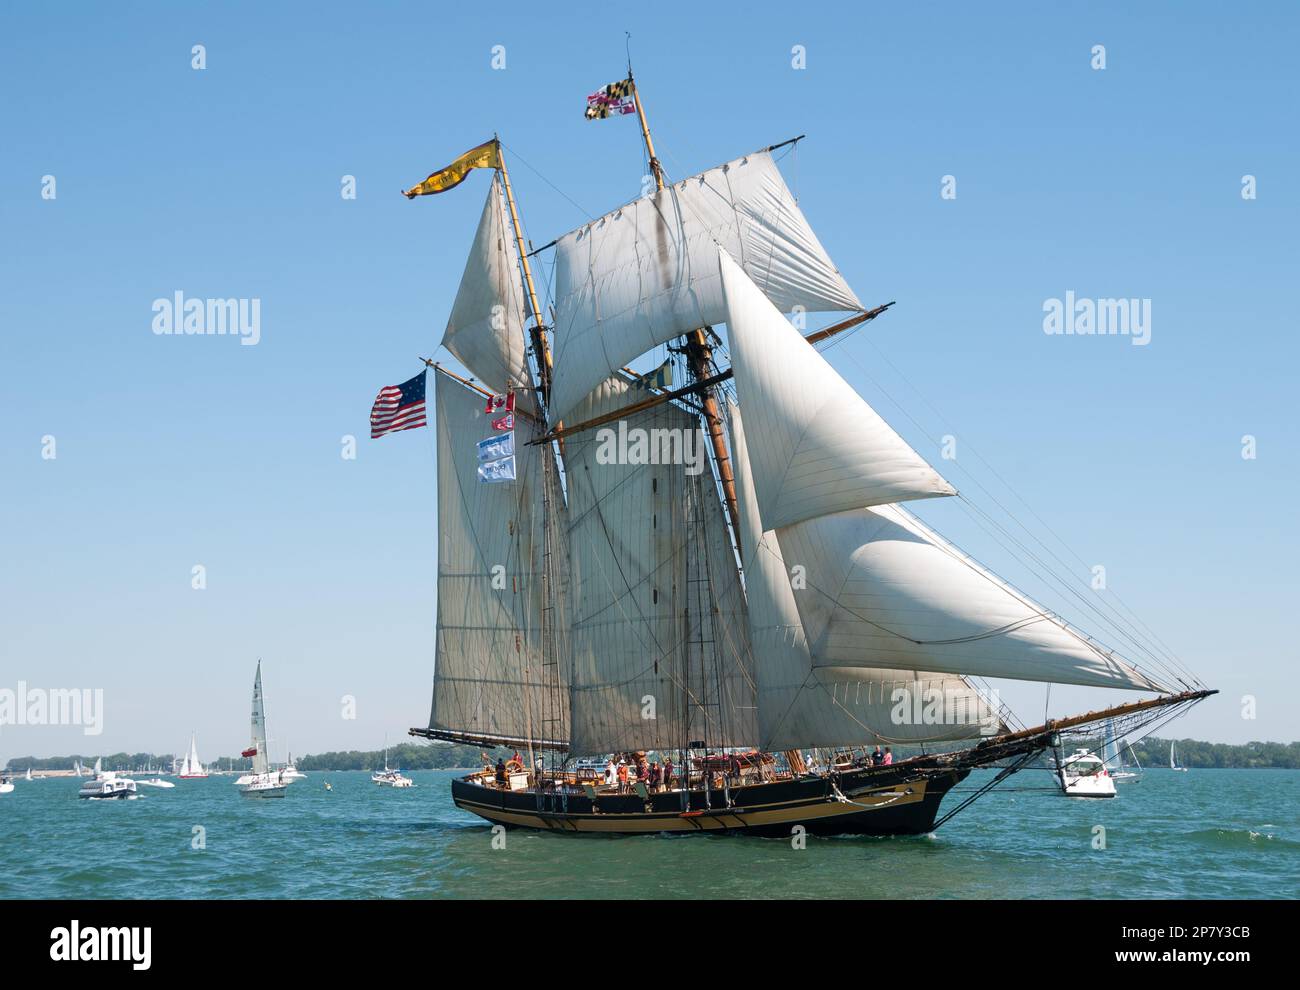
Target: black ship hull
863, 801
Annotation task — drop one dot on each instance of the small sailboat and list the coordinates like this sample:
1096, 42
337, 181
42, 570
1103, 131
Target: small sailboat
1173, 760
1084, 775
1113, 755
390, 778
191, 768
29, 774
263, 781
106, 785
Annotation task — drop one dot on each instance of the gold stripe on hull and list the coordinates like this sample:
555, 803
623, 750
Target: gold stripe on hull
716, 820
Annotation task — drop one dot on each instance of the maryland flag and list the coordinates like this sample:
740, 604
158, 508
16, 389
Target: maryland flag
486, 155
616, 98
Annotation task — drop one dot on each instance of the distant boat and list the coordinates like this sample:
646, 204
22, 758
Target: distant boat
156, 782
291, 772
29, 773
390, 778
5, 786
1112, 754
263, 782
1084, 775
106, 785
1173, 761
191, 768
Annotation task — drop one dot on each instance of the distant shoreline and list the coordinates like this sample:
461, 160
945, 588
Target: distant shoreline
1151, 753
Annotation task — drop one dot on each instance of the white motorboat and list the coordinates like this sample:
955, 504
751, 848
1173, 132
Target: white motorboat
105, 785
156, 782
291, 772
1084, 775
6, 787
263, 782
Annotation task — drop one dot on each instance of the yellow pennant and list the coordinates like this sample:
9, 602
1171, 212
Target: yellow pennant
487, 155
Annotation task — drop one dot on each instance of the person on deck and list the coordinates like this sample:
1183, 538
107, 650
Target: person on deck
622, 777
654, 776
889, 756
877, 757
501, 771
668, 773
611, 773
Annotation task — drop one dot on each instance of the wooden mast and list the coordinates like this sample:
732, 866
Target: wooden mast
537, 332
699, 355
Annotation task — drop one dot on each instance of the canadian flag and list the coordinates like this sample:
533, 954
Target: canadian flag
496, 403
506, 422
251, 751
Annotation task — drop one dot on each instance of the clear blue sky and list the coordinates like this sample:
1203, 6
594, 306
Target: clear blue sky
176, 451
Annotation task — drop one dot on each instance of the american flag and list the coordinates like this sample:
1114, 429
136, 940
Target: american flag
398, 407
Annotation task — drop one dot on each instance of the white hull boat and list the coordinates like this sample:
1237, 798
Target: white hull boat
263, 782
156, 782
262, 785
388, 777
105, 785
1083, 775
191, 768
6, 787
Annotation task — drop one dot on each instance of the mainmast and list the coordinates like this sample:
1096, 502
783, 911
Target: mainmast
699, 355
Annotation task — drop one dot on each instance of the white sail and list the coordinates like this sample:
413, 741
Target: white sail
647, 272
660, 653
485, 329
489, 677
884, 590
824, 449
258, 726
802, 706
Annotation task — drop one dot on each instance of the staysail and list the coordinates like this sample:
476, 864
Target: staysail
660, 652
885, 590
800, 705
646, 273
824, 449
485, 329
489, 678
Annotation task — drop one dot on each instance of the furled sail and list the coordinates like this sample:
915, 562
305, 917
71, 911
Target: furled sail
489, 677
800, 705
660, 650
485, 329
824, 449
884, 590
647, 273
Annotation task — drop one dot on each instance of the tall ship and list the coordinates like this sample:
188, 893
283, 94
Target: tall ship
694, 598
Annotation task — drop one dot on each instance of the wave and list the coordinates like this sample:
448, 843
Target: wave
1229, 838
